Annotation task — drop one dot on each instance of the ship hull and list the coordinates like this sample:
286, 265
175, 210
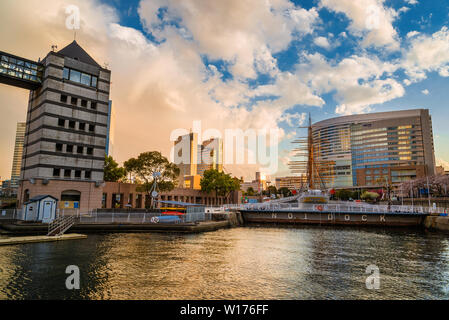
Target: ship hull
332, 218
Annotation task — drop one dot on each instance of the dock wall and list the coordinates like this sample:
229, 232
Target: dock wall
437, 223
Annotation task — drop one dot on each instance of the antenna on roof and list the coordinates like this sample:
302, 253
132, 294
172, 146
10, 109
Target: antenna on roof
54, 47
106, 65
74, 35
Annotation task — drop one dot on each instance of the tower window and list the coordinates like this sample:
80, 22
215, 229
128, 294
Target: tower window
67, 173
56, 172
78, 174
61, 122
91, 128
90, 151
59, 147
75, 76
63, 98
93, 105
84, 103
72, 124
82, 126
87, 174
66, 73
74, 101
79, 150
85, 79
69, 148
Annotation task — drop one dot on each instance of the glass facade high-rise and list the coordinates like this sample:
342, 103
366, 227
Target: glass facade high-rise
18, 152
375, 149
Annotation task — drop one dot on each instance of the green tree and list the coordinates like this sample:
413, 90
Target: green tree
370, 196
112, 171
271, 190
285, 192
250, 192
220, 183
231, 185
343, 194
355, 195
144, 168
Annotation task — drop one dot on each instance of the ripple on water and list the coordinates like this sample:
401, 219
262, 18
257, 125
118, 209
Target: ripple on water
241, 263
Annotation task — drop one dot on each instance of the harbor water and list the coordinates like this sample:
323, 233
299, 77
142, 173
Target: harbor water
239, 263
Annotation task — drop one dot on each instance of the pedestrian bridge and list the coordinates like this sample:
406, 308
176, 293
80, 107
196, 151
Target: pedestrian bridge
20, 72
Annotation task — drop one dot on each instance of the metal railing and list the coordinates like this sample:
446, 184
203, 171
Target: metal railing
142, 217
60, 225
10, 214
342, 207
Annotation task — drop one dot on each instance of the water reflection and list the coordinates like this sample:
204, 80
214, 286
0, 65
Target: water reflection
244, 263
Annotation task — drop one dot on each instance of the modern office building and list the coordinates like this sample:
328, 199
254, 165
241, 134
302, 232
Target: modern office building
258, 185
193, 159
67, 124
291, 183
111, 131
375, 149
18, 151
210, 156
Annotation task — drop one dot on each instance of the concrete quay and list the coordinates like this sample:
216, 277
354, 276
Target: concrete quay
437, 223
40, 229
38, 239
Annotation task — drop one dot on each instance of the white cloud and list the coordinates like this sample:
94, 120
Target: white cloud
427, 54
443, 163
425, 92
412, 34
358, 81
322, 42
294, 119
232, 30
370, 19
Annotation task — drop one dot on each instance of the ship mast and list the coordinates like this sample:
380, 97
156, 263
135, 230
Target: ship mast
306, 164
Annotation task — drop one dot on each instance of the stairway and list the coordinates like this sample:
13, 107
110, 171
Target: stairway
60, 225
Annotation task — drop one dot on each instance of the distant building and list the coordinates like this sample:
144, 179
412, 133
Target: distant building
375, 149
18, 152
197, 158
120, 195
210, 156
440, 171
258, 185
291, 183
111, 131
8, 190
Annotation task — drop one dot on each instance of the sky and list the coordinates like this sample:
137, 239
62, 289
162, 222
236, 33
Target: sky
241, 64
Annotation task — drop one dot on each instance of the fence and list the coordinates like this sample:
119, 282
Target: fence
139, 217
10, 214
343, 207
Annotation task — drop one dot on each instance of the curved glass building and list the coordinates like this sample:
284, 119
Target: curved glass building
374, 149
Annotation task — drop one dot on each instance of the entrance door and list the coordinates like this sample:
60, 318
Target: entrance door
47, 211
